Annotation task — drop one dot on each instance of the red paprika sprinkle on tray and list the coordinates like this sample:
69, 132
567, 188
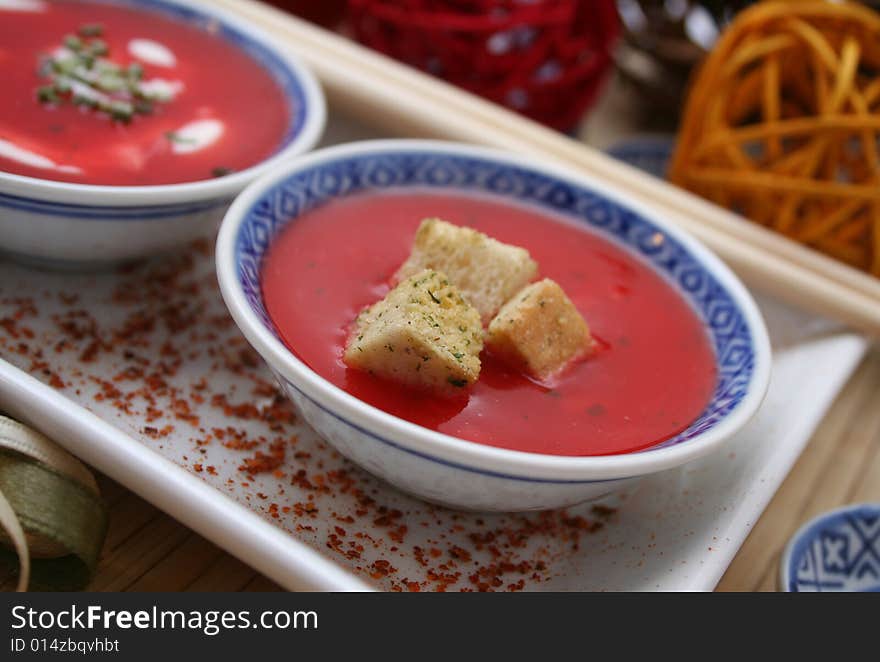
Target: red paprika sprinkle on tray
152, 350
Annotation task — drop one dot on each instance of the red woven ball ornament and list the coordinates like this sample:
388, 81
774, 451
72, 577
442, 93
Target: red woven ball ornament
543, 58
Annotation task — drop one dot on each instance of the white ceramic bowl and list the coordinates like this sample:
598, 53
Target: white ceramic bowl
66, 225
452, 471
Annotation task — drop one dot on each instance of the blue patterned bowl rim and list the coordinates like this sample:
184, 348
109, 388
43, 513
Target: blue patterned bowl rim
736, 327
300, 88
836, 551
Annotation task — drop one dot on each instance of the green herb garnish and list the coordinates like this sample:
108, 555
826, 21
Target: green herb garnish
73, 42
47, 94
98, 47
81, 100
81, 74
135, 71
143, 107
120, 110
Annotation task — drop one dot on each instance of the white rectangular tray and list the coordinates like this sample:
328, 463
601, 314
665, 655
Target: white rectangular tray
319, 523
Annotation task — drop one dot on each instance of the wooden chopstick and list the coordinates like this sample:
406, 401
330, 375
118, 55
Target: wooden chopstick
401, 100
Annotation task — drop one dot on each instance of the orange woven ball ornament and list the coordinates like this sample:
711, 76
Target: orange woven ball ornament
781, 125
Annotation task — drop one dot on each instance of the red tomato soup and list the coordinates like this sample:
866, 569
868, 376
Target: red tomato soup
651, 375
209, 107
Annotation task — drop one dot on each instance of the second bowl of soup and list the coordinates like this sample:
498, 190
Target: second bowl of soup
128, 126
679, 356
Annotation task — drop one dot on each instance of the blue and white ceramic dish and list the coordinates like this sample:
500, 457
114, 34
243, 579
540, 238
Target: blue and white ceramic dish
650, 153
837, 551
61, 224
438, 467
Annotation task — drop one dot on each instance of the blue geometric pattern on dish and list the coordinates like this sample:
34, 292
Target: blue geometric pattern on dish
727, 326
276, 67
838, 551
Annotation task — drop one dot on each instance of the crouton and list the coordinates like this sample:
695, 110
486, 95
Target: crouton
486, 271
539, 330
423, 334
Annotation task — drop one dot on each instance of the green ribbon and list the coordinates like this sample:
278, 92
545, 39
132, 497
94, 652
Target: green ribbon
65, 522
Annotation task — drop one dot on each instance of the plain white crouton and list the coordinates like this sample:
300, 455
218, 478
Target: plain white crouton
539, 330
486, 271
423, 334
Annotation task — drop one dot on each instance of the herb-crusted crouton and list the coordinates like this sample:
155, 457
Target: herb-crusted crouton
423, 333
486, 271
539, 330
